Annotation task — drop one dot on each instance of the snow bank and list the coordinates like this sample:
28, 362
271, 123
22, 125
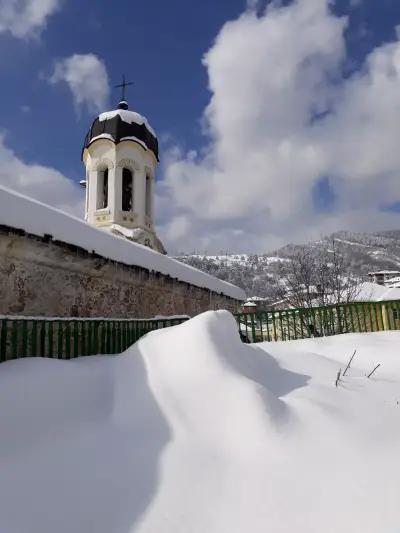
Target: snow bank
191, 430
24, 213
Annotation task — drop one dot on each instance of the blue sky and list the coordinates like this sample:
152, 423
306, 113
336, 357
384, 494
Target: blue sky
157, 44
160, 46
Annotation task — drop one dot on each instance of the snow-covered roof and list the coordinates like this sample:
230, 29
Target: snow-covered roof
395, 284
372, 292
395, 279
384, 272
20, 212
250, 304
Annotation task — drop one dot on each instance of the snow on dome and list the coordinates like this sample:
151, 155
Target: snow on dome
133, 138
127, 116
123, 104
123, 125
104, 136
23, 213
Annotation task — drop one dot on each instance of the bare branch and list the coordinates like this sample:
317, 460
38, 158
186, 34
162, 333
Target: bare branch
377, 366
349, 363
338, 378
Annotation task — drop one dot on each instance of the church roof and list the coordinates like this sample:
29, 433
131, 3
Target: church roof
123, 125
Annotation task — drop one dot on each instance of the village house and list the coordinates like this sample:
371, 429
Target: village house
382, 277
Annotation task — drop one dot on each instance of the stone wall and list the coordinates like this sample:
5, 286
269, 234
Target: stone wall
40, 277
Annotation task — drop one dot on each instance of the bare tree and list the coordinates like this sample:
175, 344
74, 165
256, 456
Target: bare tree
312, 277
310, 280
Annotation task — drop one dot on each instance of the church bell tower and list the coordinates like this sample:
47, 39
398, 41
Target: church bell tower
120, 154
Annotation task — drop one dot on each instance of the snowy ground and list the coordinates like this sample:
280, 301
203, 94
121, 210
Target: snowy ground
192, 431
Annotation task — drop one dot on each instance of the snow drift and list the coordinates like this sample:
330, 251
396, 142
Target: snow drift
192, 431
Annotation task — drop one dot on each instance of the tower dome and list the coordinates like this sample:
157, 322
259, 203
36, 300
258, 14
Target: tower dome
122, 124
120, 154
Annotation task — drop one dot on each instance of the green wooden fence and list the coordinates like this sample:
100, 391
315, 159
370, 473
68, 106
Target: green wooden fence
64, 338
291, 324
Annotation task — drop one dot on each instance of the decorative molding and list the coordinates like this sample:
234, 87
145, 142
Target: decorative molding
128, 217
129, 163
102, 164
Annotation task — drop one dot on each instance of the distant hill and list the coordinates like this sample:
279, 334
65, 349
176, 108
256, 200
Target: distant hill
256, 273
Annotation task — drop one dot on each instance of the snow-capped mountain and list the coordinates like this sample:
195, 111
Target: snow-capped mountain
256, 273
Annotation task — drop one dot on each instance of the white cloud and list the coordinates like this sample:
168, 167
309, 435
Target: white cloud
87, 78
39, 182
281, 117
178, 227
26, 18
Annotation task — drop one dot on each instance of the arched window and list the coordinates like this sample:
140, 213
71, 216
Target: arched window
148, 196
127, 190
102, 189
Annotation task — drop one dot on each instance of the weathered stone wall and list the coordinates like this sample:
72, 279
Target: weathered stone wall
39, 278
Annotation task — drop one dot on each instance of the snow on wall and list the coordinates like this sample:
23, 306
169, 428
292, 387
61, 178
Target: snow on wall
34, 217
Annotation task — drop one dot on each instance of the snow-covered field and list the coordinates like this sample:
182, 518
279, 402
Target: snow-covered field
191, 431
